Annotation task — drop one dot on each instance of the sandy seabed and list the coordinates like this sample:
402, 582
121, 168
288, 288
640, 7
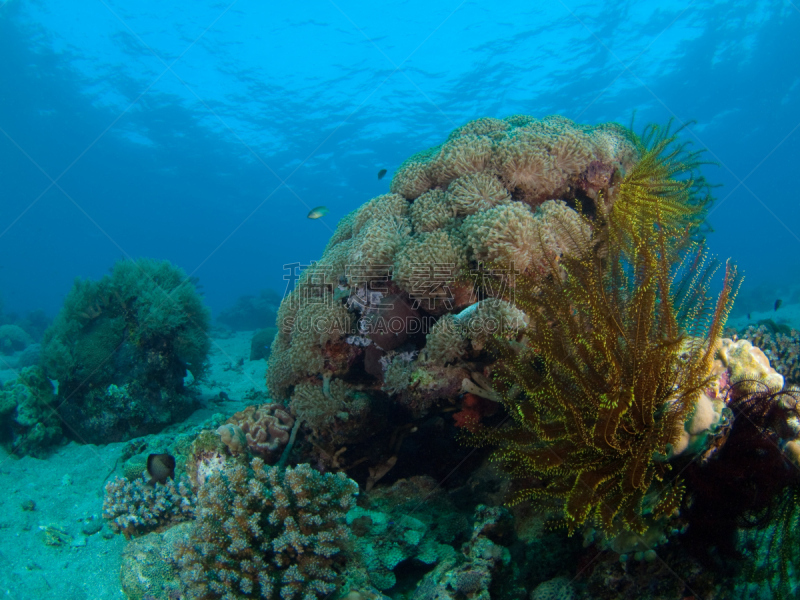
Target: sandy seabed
59, 500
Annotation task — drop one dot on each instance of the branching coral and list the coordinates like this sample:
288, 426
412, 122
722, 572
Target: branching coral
267, 532
137, 507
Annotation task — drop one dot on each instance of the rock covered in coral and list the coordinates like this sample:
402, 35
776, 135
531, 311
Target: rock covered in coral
13, 338
411, 522
481, 570
28, 413
781, 347
137, 507
748, 363
558, 588
389, 309
147, 571
267, 532
121, 347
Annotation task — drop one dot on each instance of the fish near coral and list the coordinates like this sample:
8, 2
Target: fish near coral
160, 467
381, 173
319, 211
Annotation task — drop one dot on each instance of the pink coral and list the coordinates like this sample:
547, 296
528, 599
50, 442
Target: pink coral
266, 428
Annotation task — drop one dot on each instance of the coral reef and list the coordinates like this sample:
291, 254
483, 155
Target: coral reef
267, 532
137, 507
534, 286
781, 348
462, 220
29, 423
147, 571
121, 347
410, 523
13, 338
483, 569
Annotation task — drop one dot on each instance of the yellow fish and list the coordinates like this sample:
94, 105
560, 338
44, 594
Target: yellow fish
318, 212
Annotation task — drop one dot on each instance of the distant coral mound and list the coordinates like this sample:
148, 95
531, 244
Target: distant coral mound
251, 312
121, 347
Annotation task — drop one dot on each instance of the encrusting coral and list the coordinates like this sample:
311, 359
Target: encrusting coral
267, 532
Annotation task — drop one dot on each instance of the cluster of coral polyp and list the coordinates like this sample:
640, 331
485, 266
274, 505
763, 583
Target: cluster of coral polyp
267, 532
411, 283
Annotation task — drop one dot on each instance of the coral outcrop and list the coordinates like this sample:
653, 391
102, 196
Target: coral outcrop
780, 345
29, 423
13, 338
379, 309
121, 347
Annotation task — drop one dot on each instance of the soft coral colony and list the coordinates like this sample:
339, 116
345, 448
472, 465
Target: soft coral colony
542, 286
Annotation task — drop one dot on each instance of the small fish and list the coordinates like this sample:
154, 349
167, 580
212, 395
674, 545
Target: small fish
381, 173
160, 467
748, 316
778, 303
318, 212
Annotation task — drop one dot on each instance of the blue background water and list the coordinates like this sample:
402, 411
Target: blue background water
204, 133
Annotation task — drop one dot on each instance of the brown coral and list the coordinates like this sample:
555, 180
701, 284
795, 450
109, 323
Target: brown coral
266, 429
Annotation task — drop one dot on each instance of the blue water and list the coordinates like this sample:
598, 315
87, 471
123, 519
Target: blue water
204, 133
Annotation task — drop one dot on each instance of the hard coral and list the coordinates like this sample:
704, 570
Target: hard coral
267, 532
782, 349
266, 430
137, 507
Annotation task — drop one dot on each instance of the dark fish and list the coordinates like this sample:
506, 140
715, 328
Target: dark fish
778, 303
748, 316
381, 173
318, 212
160, 467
